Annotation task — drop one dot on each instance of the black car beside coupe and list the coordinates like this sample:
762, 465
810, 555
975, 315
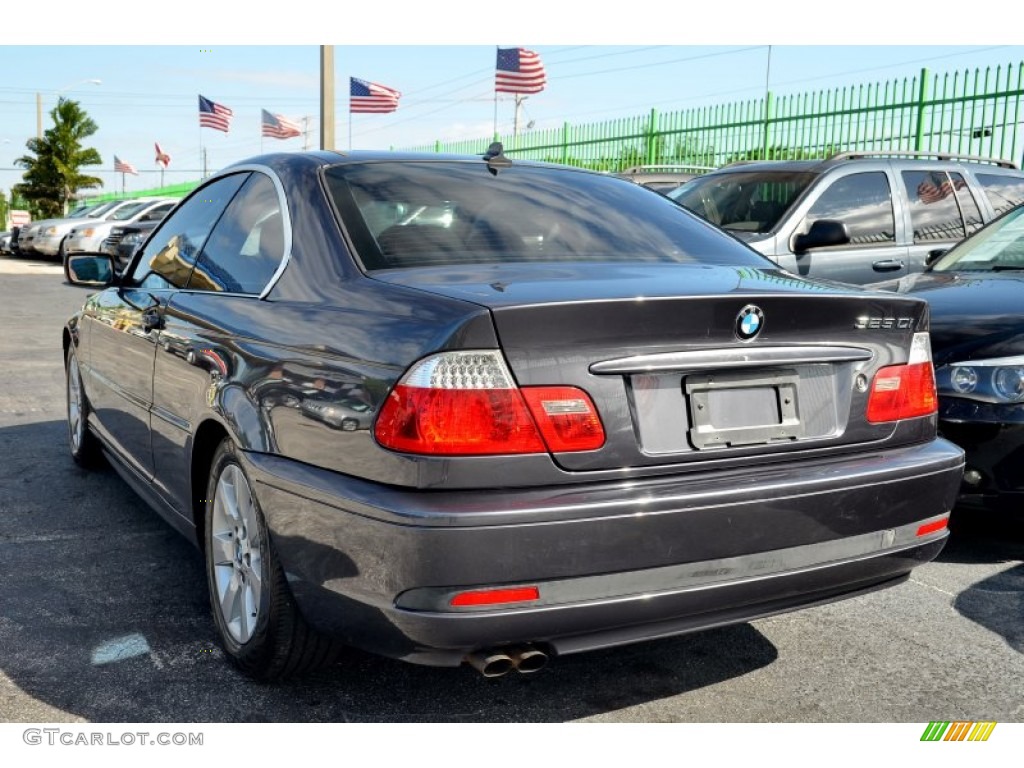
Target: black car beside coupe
976, 296
580, 416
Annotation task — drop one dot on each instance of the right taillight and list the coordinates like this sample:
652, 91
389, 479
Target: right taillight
465, 403
905, 391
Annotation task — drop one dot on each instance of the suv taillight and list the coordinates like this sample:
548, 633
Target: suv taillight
905, 391
466, 403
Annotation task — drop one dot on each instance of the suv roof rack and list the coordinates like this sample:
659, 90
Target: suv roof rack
914, 154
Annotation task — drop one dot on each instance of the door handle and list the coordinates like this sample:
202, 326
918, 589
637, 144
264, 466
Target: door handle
888, 265
152, 320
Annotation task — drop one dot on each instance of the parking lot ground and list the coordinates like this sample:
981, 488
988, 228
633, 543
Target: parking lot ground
104, 615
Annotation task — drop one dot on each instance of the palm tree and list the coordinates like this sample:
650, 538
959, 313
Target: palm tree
53, 171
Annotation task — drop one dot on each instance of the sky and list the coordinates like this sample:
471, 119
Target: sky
601, 65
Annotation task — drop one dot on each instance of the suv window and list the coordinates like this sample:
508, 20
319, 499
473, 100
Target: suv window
862, 201
934, 213
169, 255
246, 246
743, 201
968, 206
1003, 192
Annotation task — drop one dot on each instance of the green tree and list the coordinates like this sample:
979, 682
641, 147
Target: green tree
53, 171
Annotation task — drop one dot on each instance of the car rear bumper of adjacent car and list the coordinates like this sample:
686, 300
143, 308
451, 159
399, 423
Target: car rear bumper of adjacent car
612, 563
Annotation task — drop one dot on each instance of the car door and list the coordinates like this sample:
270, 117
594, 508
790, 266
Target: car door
205, 343
863, 201
124, 322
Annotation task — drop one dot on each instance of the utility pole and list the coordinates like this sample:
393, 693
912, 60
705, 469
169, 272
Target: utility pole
305, 132
326, 97
39, 115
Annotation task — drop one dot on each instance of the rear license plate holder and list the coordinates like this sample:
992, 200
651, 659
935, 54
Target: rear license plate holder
737, 409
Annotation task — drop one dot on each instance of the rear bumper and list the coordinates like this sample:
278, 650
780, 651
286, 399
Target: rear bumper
614, 562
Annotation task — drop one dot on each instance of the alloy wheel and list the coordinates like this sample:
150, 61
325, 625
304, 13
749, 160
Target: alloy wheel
236, 554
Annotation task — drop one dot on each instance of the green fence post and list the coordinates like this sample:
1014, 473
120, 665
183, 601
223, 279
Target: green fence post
437, 146
652, 139
921, 99
565, 143
767, 121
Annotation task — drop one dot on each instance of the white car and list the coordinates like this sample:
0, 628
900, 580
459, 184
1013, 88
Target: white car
89, 235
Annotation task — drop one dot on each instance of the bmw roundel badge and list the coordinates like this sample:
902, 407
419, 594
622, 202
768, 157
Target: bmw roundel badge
749, 322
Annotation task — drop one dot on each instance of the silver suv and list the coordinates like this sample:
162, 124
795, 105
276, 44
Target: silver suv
856, 217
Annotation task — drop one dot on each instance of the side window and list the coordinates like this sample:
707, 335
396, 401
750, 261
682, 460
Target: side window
1004, 192
246, 246
968, 207
862, 201
934, 214
170, 254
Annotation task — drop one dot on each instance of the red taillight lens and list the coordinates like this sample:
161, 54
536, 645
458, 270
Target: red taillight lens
933, 527
905, 391
902, 392
457, 422
567, 418
496, 596
465, 403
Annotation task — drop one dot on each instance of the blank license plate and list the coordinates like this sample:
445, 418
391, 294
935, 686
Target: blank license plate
743, 409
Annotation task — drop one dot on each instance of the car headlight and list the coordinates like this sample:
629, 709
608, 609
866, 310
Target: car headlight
50, 231
998, 380
131, 239
87, 232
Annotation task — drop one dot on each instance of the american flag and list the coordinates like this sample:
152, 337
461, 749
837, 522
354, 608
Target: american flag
278, 126
213, 115
122, 167
519, 71
162, 157
370, 97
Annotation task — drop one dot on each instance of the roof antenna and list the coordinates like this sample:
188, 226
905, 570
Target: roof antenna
495, 157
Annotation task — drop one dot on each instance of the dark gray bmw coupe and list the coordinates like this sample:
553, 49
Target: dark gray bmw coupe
468, 409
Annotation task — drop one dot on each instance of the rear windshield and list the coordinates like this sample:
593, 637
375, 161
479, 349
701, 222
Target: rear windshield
752, 201
408, 214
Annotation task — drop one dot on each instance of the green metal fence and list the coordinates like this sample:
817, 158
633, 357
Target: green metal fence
975, 113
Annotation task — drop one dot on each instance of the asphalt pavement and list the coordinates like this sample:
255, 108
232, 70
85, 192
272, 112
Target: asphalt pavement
104, 615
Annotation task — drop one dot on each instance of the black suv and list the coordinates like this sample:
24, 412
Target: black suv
856, 217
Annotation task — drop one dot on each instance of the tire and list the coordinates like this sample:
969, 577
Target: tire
85, 447
257, 620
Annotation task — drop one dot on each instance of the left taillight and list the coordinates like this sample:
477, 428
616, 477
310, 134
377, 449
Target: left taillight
905, 391
465, 403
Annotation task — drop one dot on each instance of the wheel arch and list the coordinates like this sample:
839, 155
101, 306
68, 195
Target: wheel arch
208, 436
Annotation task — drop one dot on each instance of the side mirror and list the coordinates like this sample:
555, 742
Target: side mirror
95, 269
934, 256
823, 233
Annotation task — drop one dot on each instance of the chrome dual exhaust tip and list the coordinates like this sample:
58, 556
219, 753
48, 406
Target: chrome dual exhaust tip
499, 662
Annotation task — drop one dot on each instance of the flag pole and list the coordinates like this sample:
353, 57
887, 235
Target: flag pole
496, 49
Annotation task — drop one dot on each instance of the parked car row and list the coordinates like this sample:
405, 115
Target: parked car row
85, 228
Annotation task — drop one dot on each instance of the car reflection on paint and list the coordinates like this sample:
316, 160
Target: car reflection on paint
479, 410
347, 415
